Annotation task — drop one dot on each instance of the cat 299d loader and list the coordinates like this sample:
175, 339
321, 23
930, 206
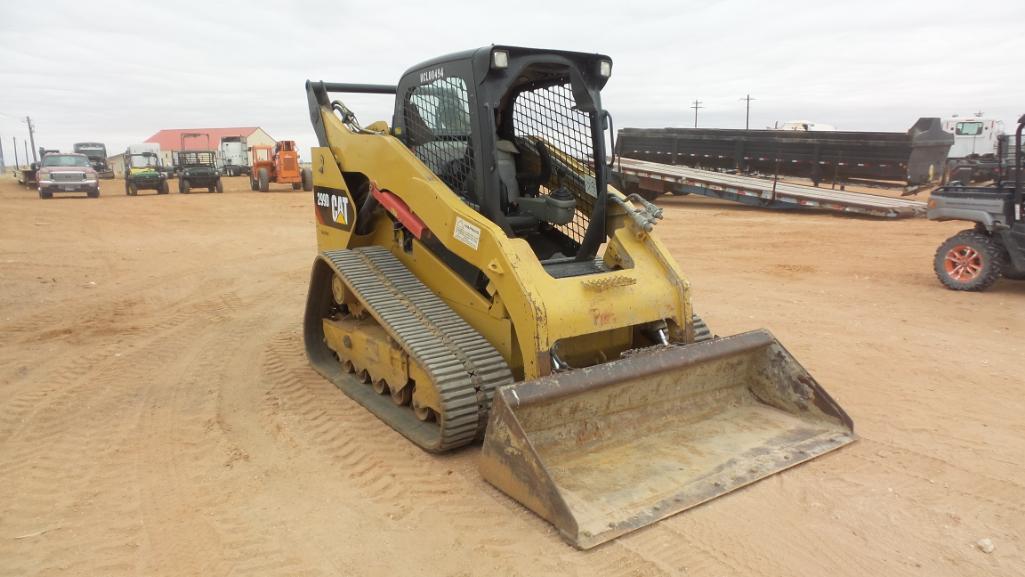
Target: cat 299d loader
478, 279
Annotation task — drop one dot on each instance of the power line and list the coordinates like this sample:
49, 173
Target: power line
696, 106
32, 137
747, 117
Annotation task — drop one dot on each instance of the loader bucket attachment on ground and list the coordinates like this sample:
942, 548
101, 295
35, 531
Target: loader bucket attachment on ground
604, 450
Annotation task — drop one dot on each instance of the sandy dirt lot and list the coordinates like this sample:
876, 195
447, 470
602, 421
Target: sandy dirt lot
158, 417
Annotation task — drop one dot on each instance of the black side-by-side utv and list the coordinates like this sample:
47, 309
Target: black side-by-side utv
196, 169
973, 259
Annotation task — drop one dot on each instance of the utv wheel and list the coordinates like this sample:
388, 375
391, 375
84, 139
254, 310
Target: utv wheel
969, 261
183, 186
264, 180
219, 187
307, 183
164, 188
133, 189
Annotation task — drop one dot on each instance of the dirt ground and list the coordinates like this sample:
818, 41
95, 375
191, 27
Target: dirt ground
158, 417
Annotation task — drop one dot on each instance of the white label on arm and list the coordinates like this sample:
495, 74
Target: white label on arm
467, 233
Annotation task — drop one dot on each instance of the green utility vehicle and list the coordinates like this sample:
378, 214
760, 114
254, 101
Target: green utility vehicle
198, 168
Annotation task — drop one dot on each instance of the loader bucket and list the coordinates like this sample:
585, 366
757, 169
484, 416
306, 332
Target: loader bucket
604, 450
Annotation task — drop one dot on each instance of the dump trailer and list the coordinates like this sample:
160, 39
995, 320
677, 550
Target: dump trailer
97, 153
916, 157
478, 280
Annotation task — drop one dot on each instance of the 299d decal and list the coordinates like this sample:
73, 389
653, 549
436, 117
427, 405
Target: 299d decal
333, 207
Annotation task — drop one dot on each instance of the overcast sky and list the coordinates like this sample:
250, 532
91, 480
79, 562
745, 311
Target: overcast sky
117, 72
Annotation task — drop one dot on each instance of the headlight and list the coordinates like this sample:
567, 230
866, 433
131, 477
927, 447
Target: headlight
500, 59
605, 68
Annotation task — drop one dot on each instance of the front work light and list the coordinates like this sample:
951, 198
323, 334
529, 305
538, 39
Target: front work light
500, 59
605, 68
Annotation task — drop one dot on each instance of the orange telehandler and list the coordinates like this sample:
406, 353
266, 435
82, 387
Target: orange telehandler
280, 164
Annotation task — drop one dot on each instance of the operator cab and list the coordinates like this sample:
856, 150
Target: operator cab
518, 134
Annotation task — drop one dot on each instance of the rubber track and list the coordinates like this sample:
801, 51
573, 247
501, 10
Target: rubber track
701, 330
464, 366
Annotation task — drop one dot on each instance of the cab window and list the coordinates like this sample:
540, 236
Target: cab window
968, 129
65, 160
438, 131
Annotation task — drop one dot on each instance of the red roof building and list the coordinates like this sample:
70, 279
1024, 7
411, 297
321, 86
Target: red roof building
170, 139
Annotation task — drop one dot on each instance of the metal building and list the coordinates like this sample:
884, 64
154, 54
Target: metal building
170, 139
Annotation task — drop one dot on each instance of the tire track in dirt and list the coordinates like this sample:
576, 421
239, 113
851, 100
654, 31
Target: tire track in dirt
78, 481
989, 495
66, 380
17, 408
73, 478
149, 296
204, 464
410, 484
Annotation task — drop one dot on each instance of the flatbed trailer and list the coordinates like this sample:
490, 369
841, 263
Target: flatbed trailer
27, 177
652, 179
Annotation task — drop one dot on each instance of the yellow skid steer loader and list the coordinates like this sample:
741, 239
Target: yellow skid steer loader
478, 279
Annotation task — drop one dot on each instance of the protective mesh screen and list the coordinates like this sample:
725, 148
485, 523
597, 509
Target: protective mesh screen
548, 115
437, 118
193, 158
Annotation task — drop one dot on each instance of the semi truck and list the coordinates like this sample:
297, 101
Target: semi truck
974, 156
234, 156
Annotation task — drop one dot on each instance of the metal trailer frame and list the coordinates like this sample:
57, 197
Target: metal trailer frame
915, 157
652, 179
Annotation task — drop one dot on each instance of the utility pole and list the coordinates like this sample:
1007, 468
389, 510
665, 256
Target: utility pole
25, 142
3, 167
32, 137
696, 106
17, 163
747, 117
